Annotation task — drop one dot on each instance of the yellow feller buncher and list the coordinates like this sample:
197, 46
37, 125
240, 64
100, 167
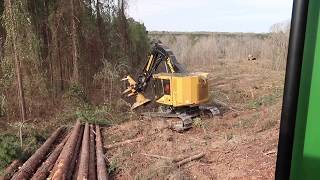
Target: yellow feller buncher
181, 94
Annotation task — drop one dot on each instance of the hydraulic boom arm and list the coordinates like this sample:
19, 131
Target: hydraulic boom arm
158, 54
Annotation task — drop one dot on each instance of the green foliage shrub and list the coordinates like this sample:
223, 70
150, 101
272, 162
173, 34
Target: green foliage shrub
9, 149
93, 115
76, 94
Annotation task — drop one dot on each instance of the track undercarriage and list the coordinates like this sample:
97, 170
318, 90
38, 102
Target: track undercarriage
184, 114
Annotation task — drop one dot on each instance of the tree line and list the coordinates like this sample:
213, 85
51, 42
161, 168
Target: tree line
51, 47
209, 48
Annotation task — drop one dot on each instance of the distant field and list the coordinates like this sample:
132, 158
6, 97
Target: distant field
203, 48
203, 33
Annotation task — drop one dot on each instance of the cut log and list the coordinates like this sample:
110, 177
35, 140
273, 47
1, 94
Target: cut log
46, 167
11, 169
84, 156
101, 164
74, 167
92, 156
61, 168
29, 167
74, 162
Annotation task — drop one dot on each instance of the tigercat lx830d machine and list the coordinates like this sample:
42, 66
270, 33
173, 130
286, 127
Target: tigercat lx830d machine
181, 94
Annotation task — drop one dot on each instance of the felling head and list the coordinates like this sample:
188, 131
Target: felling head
140, 100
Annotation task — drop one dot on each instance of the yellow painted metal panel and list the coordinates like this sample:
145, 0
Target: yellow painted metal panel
186, 89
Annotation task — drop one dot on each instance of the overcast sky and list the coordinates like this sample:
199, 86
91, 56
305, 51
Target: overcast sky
210, 15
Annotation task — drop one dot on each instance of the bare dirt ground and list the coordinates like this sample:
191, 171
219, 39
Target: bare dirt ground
241, 144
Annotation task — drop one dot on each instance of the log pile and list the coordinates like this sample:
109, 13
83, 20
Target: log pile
66, 155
